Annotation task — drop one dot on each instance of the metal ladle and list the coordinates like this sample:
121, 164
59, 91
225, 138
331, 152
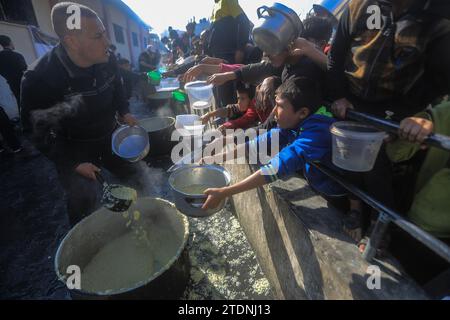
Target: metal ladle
110, 201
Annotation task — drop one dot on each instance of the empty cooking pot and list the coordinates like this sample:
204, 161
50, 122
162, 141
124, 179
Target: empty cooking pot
130, 143
277, 27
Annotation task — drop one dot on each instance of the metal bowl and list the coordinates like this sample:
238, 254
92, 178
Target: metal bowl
130, 143
190, 202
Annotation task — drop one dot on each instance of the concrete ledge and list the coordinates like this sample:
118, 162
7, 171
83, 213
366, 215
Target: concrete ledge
299, 244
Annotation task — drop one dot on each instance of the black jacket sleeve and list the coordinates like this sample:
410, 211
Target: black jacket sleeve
340, 49
36, 94
439, 63
256, 72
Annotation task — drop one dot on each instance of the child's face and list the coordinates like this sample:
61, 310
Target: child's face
243, 101
287, 117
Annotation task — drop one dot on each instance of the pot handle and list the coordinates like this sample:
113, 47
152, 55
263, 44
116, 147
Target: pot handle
196, 201
261, 10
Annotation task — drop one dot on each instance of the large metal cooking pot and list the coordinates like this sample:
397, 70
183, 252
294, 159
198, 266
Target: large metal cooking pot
159, 131
130, 143
184, 180
277, 27
161, 221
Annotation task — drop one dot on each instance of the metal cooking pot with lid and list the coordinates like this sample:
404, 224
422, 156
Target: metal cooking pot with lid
188, 184
277, 27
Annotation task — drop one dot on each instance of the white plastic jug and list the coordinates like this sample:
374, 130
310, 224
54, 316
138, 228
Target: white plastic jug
355, 146
200, 91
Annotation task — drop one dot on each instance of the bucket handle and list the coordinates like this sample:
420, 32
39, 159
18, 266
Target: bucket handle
263, 9
434, 140
271, 12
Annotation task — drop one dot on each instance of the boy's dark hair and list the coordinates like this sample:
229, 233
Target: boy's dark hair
317, 28
245, 88
123, 61
5, 41
301, 93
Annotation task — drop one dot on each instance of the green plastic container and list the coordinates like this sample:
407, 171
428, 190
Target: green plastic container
178, 102
154, 78
179, 96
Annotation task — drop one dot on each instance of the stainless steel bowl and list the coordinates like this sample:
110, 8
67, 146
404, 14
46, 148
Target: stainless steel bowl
190, 202
131, 143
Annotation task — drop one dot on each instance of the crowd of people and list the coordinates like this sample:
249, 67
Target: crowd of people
399, 72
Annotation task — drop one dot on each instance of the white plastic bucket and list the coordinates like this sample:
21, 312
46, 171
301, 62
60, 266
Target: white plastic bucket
190, 128
199, 91
355, 146
186, 120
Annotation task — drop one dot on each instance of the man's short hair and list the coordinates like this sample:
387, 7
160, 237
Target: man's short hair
5, 41
301, 93
317, 28
59, 17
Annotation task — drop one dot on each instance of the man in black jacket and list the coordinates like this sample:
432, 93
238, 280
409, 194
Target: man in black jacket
12, 65
75, 92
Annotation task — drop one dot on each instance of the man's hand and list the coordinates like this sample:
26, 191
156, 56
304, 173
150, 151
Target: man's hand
87, 170
340, 107
215, 196
219, 79
192, 73
129, 119
415, 129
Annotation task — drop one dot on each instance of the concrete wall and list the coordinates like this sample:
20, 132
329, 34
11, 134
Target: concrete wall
42, 11
118, 18
21, 38
299, 243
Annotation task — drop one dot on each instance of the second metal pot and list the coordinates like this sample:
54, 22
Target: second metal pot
185, 180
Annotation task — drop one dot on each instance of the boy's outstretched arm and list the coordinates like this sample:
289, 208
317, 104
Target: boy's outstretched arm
216, 195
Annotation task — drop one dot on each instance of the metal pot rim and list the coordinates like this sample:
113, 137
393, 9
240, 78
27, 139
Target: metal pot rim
143, 153
193, 166
172, 123
140, 284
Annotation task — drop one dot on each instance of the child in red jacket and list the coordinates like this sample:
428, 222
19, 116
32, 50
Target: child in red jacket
248, 112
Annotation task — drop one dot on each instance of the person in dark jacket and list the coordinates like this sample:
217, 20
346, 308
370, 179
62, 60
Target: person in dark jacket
229, 33
12, 65
70, 99
303, 136
149, 59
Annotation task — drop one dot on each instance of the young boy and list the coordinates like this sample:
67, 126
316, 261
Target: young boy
233, 112
303, 136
